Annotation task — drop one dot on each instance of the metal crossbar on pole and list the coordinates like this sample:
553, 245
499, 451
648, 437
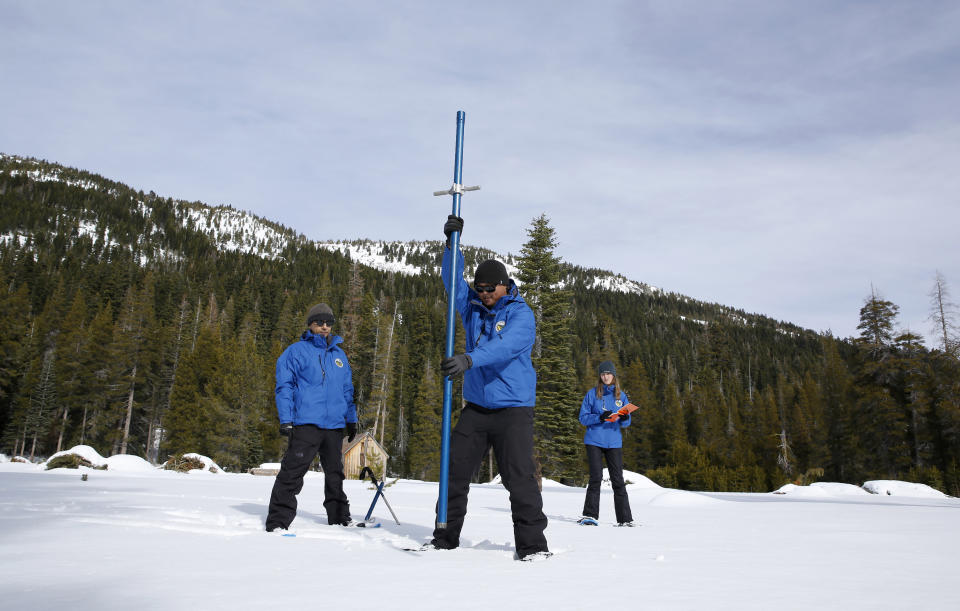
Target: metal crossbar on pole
456, 191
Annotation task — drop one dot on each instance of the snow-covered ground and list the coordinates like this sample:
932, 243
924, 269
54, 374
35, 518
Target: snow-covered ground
136, 537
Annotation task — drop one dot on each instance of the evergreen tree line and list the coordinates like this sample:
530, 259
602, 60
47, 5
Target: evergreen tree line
126, 329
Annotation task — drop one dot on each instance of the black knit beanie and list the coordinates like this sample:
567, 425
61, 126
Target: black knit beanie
491, 272
321, 311
607, 367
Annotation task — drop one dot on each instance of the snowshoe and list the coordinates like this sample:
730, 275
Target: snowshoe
535, 557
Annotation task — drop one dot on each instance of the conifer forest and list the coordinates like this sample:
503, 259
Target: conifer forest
127, 326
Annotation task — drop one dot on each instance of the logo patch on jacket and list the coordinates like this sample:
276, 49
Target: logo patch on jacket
500, 325
338, 363
618, 403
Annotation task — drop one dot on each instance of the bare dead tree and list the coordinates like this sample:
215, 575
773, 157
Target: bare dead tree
943, 313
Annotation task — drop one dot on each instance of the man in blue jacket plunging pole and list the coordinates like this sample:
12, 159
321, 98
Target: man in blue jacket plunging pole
499, 388
316, 409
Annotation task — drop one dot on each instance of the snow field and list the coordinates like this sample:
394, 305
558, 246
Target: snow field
164, 540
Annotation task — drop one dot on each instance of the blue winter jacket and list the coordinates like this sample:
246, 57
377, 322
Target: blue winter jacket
499, 341
599, 433
315, 383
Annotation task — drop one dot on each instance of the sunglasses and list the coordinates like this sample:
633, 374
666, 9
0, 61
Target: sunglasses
481, 288
324, 322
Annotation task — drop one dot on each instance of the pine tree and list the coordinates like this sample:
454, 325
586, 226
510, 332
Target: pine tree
886, 436
557, 441
674, 427
876, 325
72, 351
131, 358
809, 425
43, 403
14, 334
352, 315
401, 419
424, 452
383, 374
708, 420
639, 441
943, 389
289, 326
765, 427
912, 373
31, 416
847, 460
420, 345
364, 349
885, 430
190, 423
96, 373
171, 341
240, 407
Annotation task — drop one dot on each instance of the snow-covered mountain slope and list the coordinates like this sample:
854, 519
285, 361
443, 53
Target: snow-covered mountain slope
395, 257
227, 228
232, 230
239, 231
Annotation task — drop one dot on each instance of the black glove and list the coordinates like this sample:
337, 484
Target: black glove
456, 364
454, 223
286, 429
351, 431
605, 414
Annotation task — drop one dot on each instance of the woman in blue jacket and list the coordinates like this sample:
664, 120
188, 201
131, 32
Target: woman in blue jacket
604, 441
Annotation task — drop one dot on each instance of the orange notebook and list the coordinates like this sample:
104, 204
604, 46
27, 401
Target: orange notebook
626, 410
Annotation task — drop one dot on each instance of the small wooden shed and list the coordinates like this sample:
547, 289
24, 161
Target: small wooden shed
364, 451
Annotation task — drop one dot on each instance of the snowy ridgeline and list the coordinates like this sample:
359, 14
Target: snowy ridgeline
239, 231
231, 230
52, 175
378, 255
128, 463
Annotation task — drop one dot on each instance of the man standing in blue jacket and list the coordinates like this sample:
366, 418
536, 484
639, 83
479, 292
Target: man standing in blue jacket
315, 404
499, 388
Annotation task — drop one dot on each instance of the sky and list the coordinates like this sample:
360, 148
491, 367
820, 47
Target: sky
784, 158
137, 537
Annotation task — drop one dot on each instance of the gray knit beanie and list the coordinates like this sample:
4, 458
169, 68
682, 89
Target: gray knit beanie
607, 367
321, 311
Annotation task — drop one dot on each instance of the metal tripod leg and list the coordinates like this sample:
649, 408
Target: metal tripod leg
379, 485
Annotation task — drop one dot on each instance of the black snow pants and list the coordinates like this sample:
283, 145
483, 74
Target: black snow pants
510, 432
306, 440
621, 502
